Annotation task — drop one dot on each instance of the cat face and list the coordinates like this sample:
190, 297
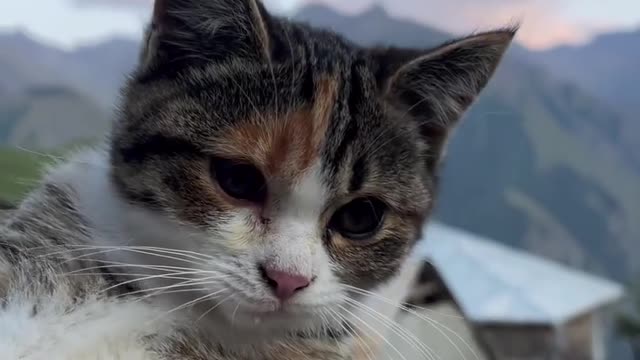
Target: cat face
299, 164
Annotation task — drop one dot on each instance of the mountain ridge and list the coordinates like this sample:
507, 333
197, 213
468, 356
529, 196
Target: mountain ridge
607, 67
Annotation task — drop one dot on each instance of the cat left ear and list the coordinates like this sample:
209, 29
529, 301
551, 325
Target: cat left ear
437, 87
186, 31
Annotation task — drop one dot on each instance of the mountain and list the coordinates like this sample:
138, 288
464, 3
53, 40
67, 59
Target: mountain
608, 68
536, 162
25, 63
369, 27
49, 96
103, 67
97, 70
46, 117
36, 124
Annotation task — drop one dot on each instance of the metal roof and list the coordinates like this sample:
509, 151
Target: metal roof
495, 283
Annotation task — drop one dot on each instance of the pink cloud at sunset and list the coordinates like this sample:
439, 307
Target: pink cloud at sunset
543, 25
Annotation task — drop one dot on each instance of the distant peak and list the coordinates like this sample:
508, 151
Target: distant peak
375, 10
20, 36
16, 34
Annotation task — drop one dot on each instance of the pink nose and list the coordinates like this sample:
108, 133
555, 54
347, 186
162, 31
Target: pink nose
285, 284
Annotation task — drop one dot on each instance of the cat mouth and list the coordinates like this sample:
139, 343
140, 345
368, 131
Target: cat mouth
274, 309
275, 321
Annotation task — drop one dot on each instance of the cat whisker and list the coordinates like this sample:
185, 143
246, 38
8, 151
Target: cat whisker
144, 252
372, 329
151, 277
57, 158
161, 290
112, 264
439, 327
194, 302
192, 254
325, 323
346, 325
213, 308
233, 316
34, 152
78, 247
188, 254
434, 323
171, 277
402, 305
178, 291
106, 250
397, 329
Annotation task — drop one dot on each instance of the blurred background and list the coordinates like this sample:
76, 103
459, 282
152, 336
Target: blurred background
546, 165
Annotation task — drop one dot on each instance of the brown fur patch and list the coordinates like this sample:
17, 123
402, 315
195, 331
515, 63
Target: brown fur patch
284, 148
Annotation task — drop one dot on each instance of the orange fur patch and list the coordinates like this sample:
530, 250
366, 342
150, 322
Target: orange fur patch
286, 147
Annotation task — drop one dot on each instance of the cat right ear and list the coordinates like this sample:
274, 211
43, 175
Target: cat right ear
437, 86
188, 32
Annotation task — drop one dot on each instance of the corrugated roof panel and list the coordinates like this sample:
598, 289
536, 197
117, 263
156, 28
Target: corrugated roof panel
495, 283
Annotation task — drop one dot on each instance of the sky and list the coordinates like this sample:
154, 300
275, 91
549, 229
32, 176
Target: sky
546, 23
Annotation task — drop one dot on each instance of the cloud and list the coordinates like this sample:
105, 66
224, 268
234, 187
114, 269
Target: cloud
543, 24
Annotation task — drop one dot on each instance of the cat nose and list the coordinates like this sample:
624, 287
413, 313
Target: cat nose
284, 284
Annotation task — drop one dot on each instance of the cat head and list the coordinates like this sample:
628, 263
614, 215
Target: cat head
302, 165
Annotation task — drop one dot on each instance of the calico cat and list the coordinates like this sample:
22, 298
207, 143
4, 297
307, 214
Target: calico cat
263, 179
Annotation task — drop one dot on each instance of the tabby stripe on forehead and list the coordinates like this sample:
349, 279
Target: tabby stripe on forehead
352, 129
350, 134
358, 175
157, 146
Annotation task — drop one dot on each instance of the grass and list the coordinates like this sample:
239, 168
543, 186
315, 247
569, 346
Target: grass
20, 171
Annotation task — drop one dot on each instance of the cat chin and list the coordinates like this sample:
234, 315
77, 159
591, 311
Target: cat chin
242, 326
272, 317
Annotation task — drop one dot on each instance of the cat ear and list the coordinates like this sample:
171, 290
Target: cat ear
436, 87
184, 32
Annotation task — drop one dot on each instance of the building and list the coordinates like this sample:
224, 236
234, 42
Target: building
501, 303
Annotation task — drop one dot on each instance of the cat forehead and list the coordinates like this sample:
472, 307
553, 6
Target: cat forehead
339, 143
284, 144
283, 119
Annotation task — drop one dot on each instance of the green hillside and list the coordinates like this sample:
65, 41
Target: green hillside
49, 117
21, 170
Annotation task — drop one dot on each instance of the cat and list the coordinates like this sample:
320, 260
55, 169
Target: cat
262, 182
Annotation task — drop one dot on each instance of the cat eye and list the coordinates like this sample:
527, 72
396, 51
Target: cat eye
239, 180
360, 219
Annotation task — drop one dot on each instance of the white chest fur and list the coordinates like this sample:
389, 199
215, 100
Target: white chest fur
96, 330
